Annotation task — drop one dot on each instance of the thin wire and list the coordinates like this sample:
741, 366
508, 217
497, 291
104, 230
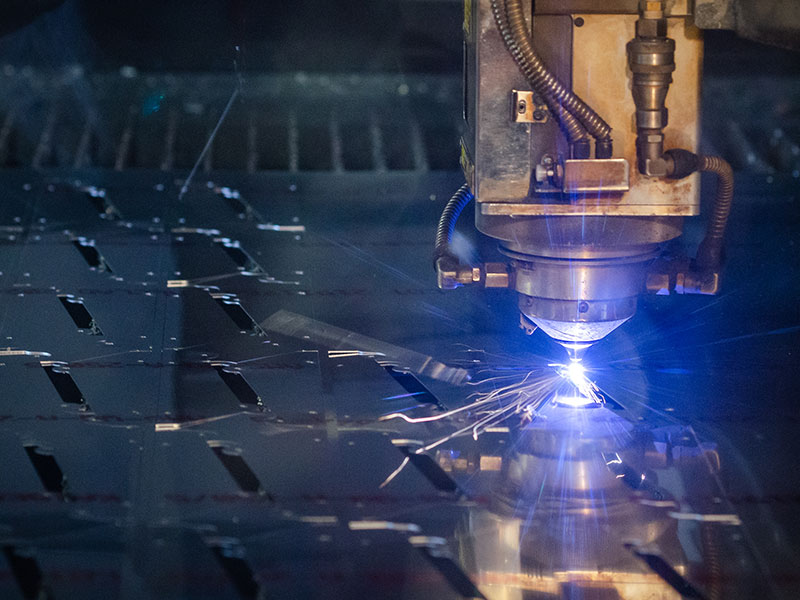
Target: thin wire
210, 141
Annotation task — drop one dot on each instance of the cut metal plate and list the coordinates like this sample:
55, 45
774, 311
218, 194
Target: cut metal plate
184, 451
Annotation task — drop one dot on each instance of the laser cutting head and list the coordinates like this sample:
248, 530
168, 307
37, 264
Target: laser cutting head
579, 225
579, 301
574, 279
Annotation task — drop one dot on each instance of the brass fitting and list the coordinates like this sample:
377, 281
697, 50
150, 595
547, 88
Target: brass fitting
451, 274
651, 59
495, 275
680, 276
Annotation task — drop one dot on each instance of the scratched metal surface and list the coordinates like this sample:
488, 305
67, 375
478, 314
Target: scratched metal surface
150, 509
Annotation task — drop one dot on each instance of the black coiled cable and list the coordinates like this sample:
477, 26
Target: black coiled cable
682, 164
709, 254
447, 222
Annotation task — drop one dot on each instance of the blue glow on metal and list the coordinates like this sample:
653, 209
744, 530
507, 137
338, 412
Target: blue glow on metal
152, 104
584, 392
576, 373
399, 396
574, 401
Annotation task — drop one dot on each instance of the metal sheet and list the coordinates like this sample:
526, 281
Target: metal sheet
142, 478
167, 484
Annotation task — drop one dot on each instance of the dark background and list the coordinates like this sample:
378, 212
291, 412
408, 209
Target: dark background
394, 36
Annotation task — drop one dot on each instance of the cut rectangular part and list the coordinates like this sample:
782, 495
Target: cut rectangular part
91, 254
27, 573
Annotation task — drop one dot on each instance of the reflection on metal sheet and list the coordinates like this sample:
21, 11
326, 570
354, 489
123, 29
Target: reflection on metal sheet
298, 326
219, 465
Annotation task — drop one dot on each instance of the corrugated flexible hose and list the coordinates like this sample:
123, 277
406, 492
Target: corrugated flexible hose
574, 131
709, 254
447, 222
542, 79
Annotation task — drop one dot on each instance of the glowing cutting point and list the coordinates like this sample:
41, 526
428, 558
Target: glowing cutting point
575, 373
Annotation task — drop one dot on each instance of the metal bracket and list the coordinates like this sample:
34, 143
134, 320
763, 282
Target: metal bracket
596, 176
451, 274
527, 107
679, 276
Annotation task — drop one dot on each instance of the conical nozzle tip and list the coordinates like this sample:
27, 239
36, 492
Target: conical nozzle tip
576, 350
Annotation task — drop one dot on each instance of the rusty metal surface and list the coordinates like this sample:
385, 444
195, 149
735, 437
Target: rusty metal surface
596, 176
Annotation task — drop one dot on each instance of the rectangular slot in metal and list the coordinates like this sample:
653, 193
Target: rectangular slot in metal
91, 254
58, 373
239, 255
432, 471
231, 556
99, 199
436, 551
242, 207
667, 572
241, 472
232, 306
50, 474
80, 314
233, 378
413, 386
27, 573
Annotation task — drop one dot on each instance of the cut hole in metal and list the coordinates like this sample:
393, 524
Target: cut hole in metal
237, 467
27, 574
58, 373
233, 378
432, 471
80, 314
47, 469
231, 557
435, 550
91, 255
232, 306
413, 386
243, 260
99, 200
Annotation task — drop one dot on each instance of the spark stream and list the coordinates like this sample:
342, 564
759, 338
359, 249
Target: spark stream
566, 384
165, 365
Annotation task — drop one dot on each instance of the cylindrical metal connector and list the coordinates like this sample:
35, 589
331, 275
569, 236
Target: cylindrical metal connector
651, 61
